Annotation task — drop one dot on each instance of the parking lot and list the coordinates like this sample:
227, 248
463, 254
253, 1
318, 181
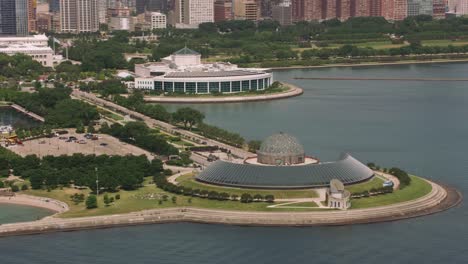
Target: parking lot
61, 145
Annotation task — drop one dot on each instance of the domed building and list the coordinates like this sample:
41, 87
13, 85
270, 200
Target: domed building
281, 163
281, 149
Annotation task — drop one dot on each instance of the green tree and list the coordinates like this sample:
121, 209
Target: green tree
246, 198
107, 201
188, 116
254, 145
91, 202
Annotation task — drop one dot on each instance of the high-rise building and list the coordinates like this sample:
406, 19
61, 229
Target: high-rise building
313, 9
222, 10
360, 8
151, 5
420, 7
78, 16
282, 13
54, 6
22, 23
438, 9
191, 13
329, 9
32, 7
394, 10
297, 10
375, 8
7, 17
458, 7
246, 10
157, 20
343, 9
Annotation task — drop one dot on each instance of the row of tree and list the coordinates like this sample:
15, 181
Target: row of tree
161, 182
139, 134
186, 116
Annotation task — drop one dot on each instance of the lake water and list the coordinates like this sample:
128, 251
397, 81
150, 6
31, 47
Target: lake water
419, 126
9, 116
18, 213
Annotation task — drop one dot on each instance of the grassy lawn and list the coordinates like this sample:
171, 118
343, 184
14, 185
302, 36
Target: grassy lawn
148, 197
375, 182
416, 189
444, 42
188, 181
144, 198
110, 115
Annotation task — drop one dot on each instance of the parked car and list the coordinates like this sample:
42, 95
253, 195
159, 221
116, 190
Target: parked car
103, 144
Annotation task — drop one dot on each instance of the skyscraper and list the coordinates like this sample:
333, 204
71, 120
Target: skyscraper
7, 17
191, 13
14, 17
78, 16
32, 6
222, 10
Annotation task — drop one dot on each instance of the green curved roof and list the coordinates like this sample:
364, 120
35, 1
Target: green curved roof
186, 51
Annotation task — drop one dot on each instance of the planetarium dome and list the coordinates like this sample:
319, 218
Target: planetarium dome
281, 149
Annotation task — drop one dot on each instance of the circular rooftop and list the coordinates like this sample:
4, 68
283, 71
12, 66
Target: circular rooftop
281, 149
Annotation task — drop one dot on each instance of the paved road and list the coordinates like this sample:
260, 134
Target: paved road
159, 124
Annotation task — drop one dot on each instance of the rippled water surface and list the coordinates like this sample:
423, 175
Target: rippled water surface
419, 126
18, 213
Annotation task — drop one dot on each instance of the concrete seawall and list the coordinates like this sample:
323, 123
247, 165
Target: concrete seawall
293, 91
439, 199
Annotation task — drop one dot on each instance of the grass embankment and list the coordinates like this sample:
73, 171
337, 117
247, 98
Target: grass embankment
418, 188
375, 182
189, 181
144, 198
148, 197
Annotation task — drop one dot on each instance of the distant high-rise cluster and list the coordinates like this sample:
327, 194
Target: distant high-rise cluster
20, 17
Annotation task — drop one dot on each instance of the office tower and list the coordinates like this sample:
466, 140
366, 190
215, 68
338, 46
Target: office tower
78, 16
191, 13
222, 10
246, 10
282, 13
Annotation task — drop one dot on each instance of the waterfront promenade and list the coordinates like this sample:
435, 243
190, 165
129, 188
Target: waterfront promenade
439, 199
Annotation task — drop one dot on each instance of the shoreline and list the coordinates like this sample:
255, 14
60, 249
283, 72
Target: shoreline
55, 206
292, 92
441, 198
369, 64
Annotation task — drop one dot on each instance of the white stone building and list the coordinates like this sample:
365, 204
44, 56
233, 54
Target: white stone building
337, 196
183, 72
35, 46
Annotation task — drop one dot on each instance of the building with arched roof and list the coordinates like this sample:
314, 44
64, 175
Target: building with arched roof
281, 163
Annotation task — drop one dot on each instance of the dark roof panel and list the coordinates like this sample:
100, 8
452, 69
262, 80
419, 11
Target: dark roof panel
348, 170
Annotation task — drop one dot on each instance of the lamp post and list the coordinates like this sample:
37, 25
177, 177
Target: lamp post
97, 181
